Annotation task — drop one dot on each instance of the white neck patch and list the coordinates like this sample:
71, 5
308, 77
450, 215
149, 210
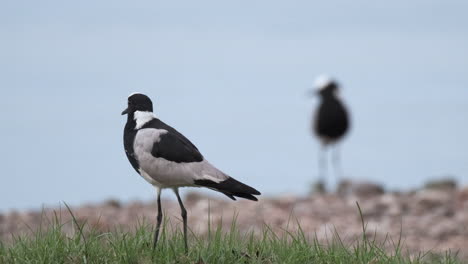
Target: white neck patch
141, 118
322, 81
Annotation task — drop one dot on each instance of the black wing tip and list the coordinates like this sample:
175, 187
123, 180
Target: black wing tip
256, 192
231, 188
230, 196
239, 187
247, 196
241, 195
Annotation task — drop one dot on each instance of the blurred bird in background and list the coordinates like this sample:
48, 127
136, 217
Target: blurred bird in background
330, 124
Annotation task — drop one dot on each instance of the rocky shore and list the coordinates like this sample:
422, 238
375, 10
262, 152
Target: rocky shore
433, 218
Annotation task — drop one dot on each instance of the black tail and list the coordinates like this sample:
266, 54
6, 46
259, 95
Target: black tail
231, 188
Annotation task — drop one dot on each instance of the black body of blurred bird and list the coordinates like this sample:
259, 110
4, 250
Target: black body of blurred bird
330, 124
167, 159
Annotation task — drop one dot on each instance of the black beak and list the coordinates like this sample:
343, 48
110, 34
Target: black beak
124, 112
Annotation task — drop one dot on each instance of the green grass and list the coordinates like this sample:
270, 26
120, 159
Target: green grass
230, 246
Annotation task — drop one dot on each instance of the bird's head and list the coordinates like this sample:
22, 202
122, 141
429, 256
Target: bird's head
325, 86
138, 102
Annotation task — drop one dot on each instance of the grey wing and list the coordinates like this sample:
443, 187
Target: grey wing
170, 162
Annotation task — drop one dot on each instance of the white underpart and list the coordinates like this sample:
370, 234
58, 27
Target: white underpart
142, 117
148, 178
322, 81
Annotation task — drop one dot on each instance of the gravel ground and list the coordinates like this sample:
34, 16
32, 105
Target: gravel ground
433, 218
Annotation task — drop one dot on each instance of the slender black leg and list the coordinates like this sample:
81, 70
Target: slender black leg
322, 166
336, 159
184, 217
159, 220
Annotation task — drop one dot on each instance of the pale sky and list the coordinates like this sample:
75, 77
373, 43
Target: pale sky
233, 78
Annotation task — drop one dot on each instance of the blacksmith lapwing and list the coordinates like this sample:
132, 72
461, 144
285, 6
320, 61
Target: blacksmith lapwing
167, 159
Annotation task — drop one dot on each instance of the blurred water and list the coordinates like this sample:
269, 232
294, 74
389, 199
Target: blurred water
232, 77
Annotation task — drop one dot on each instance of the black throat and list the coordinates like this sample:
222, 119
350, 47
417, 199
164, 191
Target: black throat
128, 139
131, 123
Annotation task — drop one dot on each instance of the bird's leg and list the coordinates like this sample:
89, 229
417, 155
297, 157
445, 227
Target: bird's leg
184, 217
159, 220
322, 166
336, 159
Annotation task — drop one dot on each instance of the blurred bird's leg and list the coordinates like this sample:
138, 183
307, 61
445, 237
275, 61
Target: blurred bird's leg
336, 160
322, 166
159, 220
184, 217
